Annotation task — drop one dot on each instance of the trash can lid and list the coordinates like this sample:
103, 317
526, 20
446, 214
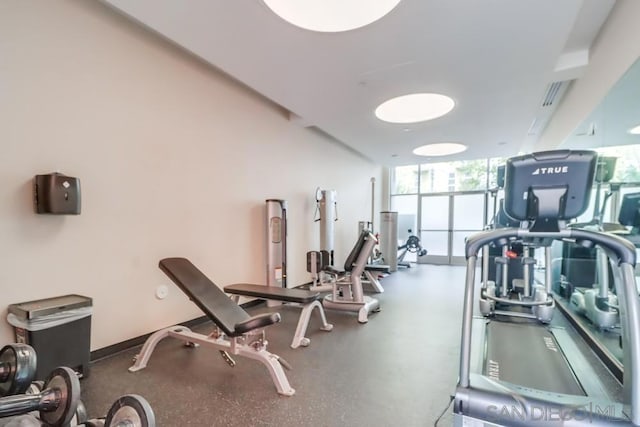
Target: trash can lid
48, 306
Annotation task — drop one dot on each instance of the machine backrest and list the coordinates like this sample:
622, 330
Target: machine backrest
357, 248
205, 294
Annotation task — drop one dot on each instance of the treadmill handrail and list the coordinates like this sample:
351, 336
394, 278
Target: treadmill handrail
625, 288
624, 250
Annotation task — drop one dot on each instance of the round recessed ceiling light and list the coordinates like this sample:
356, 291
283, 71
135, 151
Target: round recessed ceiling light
413, 108
440, 149
635, 130
331, 15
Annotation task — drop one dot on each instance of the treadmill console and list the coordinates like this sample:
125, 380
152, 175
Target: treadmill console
630, 210
549, 186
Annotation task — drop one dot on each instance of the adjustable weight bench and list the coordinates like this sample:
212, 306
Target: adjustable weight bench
308, 300
237, 332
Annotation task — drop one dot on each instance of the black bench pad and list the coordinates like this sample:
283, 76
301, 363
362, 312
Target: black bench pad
255, 322
300, 296
378, 267
225, 313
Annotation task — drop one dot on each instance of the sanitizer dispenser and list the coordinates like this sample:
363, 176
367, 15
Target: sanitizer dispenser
58, 194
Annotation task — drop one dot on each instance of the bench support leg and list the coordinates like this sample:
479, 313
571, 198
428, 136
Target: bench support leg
142, 358
299, 338
233, 346
373, 281
272, 362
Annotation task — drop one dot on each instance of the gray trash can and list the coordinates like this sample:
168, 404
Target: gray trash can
59, 329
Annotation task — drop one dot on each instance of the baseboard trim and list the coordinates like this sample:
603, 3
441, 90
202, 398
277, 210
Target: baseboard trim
113, 349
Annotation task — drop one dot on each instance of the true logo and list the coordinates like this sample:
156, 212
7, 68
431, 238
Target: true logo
551, 171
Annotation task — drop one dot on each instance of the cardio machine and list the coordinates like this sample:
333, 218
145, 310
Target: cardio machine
411, 245
507, 267
518, 371
597, 303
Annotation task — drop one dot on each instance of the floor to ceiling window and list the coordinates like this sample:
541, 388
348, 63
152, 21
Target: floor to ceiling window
442, 203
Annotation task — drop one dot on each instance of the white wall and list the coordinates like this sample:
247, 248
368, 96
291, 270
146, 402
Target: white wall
174, 159
614, 51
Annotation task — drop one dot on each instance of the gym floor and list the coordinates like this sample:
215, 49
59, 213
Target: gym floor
398, 369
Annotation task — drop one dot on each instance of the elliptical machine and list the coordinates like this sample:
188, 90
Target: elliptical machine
599, 304
411, 245
507, 267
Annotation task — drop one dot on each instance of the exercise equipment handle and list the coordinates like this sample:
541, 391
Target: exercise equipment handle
47, 400
622, 248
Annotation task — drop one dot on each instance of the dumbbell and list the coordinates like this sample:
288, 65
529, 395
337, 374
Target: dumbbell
57, 402
130, 410
17, 368
80, 416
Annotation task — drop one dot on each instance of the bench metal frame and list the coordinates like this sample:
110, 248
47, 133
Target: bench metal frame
239, 346
267, 293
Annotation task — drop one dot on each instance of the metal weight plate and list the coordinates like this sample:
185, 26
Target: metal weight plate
130, 410
67, 384
17, 368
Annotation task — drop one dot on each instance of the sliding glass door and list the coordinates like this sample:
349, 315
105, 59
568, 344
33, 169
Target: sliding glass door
446, 220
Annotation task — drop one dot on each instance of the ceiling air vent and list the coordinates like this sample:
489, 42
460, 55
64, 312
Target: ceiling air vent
552, 97
552, 93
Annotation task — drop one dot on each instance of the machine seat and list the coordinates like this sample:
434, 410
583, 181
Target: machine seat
299, 296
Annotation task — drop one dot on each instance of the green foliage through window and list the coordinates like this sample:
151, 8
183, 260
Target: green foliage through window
467, 175
405, 179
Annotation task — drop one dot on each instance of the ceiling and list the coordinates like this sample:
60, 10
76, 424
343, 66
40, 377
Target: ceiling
495, 58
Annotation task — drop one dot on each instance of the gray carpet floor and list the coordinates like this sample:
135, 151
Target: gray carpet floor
399, 369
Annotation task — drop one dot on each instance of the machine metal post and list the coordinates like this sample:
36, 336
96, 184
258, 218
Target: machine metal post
328, 215
485, 265
630, 319
389, 239
548, 274
525, 272
373, 199
467, 319
276, 244
505, 272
